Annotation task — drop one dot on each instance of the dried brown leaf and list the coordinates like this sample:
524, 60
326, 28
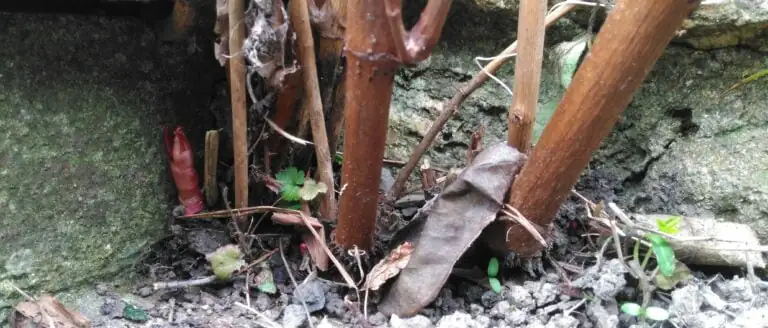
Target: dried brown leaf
314, 245
47, 312
389, 267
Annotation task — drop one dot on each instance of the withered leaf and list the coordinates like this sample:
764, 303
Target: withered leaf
389, 267
47, 312
314, 246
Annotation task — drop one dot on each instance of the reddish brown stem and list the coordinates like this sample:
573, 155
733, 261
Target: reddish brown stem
417, 45
371, 66
451, 106
237, 93
522, 111
626, 48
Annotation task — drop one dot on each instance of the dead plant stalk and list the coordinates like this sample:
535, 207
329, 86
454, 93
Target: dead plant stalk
451, 106
237, 93
522, 111
299, 13
375, 47
630, 41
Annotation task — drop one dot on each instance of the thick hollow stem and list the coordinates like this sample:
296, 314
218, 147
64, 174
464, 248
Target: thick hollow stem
372, 61
626, 48
522, 111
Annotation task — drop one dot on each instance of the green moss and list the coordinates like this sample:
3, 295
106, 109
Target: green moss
84, 181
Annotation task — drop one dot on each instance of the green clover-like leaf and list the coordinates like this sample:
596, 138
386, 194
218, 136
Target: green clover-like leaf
290, 176
493, 267
495, 285
290, 193
665, 255
311, 189
225, 261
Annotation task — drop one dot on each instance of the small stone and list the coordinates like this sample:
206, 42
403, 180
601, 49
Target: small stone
145, 291
562, 321
409, 212
312, 293
459, 319
476, 309
417, 321
102, 289
336, 307
263, 302
293, 316
415, 199
377, 319
500, 310
489, 299
515, 318
482, 321
520, 298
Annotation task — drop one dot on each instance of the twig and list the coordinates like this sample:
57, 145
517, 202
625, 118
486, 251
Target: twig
184, 283
269, 324
211, 163
293, 281
519, 218
172, 306
237, 77
299, 14
450, 107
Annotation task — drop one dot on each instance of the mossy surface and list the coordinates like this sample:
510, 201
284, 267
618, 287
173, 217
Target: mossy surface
83, 177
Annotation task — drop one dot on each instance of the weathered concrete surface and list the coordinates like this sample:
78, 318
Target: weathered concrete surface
83, 178
682, 145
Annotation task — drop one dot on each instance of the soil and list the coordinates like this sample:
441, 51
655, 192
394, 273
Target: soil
572, 291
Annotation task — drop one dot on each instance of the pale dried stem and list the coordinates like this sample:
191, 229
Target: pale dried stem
299, 14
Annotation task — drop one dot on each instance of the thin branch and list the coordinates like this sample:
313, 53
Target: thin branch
451, 106
184, 283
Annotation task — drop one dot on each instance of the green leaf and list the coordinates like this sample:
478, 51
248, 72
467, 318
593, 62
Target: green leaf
290, 176
311, 189
495, 285
338, 158
225, 261
665, 255
633, 309
265, 282
290, 192
571, 52
133, 313
493, 267
670, 225
656, 313
681, 274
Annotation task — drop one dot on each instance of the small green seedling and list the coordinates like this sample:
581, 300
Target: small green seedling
493, 271
294, 186
665, 255
652, 312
